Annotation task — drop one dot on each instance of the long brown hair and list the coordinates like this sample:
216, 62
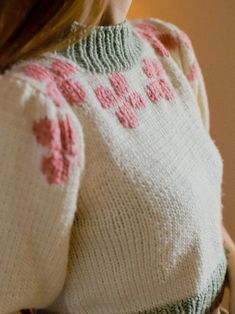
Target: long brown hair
29, 28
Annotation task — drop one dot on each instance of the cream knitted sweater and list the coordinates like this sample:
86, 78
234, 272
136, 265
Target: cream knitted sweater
110, 199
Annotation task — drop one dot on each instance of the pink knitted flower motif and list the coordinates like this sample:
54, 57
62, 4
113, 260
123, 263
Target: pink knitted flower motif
160, 48
73, 91
54, 93
37, 72
105, 96
153, 68
63, 68
41, 73
135, 100
120, 92
193, 71
154, 91
126, 116
119, 83
170, 41
166, 90
68, 136
47, 133
59, 84
147, 31
158, 87
56, 167
59, 136
150, 32
147, 28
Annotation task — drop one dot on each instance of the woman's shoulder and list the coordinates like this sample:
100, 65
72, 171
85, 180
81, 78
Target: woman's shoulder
157, 25
51, 76
169, 39
42, 74
31, 100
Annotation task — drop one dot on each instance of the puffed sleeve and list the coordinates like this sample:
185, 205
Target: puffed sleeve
192, 70
41, 164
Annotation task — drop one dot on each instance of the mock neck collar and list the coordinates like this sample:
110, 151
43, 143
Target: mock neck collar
107, 49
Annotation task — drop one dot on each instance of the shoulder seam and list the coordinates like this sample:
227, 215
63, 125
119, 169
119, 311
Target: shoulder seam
17, 77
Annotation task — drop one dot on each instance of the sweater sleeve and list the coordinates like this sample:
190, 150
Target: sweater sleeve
41, 162
193, 72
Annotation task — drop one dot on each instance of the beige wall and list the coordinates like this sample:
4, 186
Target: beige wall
211, 27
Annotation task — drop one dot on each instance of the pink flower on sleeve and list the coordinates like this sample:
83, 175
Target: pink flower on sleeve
147, 28
160, 48
37, 72
68, 136
150, 32
56, 167
169, 41
193, 71
54, 93
47, 133
60, 138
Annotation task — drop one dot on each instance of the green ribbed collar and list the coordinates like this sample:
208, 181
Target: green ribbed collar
107, 49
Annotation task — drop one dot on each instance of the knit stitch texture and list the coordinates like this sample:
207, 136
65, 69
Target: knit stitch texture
111, 185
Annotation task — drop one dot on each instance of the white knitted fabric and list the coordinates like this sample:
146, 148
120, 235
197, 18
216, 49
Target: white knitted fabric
110, 181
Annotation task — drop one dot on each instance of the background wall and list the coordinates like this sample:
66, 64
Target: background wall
211, 26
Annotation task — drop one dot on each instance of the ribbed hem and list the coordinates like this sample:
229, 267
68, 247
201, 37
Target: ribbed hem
107, 49
203, 303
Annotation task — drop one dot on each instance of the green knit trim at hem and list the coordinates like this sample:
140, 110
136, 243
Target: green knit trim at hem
202, 303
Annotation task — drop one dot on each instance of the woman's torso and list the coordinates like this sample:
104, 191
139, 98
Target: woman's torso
146, 234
